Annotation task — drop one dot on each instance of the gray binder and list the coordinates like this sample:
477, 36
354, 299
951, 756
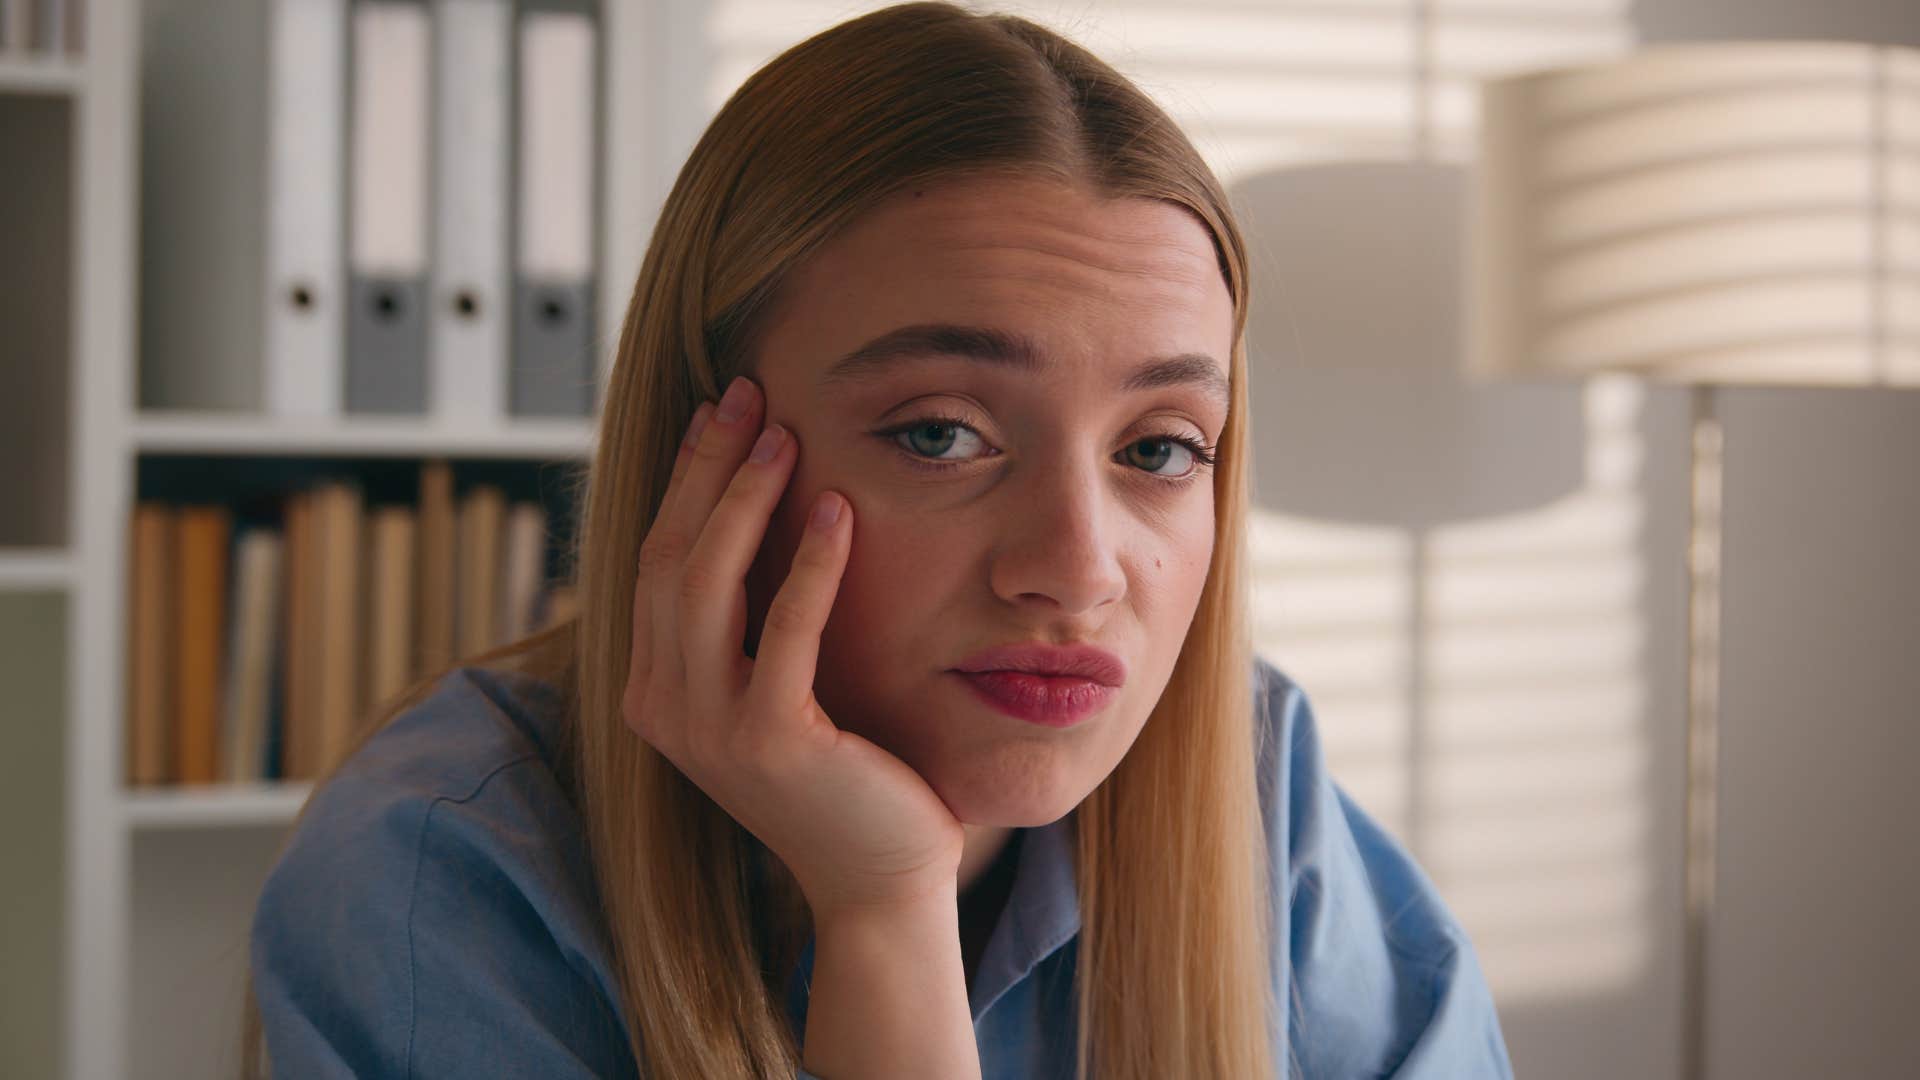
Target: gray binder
387, 216
553, 368
387, 345
556, 145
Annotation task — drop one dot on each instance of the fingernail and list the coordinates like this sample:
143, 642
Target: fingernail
733, 405
700, 417
768, 444
826, 511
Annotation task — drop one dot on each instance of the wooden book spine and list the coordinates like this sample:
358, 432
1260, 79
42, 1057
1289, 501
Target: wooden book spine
435, 571
150, 646
204, 533
390, 597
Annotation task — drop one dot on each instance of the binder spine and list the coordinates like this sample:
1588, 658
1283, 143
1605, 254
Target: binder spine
554, 373
467, 323
386, 327
553, 369
305, 211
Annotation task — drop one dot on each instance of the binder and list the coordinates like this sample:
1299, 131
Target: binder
305, 272
387, 216
467, 326
553, 371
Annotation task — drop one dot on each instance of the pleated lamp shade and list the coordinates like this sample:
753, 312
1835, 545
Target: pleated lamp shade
1727, 213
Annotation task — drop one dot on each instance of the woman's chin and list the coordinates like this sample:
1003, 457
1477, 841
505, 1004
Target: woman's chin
1027, 799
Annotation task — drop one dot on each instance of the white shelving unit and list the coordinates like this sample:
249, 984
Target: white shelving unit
150, 892
29, 569
214, 805
37, 75
219, 433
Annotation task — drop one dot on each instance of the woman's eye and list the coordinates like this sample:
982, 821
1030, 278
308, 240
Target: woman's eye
1152, 455
940, 441
933, 438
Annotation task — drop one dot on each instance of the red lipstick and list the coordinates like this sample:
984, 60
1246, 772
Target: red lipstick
1054, 685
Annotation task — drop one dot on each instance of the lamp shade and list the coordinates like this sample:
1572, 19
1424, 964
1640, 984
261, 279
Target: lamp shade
1740, 213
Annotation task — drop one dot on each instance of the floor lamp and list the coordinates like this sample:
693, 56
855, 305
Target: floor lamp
1721, 214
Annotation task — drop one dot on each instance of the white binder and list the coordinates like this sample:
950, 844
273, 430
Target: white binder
553, 370
387, 217
467, 325
306, 280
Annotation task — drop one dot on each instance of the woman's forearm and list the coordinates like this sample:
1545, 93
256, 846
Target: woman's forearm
889, 996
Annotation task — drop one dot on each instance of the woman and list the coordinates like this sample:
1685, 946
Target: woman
909, 726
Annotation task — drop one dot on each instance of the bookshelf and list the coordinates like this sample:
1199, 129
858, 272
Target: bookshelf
126, 952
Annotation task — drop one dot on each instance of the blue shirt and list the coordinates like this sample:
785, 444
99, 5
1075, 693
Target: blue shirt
434, 915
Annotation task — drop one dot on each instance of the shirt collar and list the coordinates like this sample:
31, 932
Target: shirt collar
1042, 913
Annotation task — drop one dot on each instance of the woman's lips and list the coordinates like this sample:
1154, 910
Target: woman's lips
1052, 700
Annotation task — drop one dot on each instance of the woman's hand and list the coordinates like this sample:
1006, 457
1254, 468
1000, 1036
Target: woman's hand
856, 826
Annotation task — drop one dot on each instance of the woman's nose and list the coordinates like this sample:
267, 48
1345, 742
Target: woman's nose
1059, 549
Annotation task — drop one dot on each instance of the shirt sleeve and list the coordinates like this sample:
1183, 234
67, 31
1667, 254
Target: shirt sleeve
1382, 981
401, 936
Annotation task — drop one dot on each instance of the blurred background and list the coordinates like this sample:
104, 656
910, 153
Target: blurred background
1481, 585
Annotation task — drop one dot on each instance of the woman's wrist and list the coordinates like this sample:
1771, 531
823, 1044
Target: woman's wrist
888, 995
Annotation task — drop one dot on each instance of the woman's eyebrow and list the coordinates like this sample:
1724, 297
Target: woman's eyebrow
1007, 349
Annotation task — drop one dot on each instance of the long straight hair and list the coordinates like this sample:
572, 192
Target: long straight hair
1173, 972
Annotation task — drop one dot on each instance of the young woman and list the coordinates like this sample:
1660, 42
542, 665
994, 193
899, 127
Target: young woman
909, 726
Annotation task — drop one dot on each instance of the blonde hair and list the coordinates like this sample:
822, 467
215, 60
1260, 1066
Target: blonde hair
1173, 970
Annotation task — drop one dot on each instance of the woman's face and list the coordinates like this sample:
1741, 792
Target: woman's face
1001, 497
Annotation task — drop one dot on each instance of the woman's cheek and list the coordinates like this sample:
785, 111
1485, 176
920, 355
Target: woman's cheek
883, 567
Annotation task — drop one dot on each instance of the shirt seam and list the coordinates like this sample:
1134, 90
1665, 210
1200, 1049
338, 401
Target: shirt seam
413, 890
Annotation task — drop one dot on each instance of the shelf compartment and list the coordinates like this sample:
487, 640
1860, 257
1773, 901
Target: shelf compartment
248, 434
36, 292
192, 901
213, 805
33, 829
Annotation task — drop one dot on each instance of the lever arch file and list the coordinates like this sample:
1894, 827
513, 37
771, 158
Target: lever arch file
554, 373
467, 327
387, 322
305, 273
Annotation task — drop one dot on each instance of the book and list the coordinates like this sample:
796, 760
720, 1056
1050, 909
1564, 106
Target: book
522, 570
340, 693
251, 641
149, 645
559, 604
434, 581
298, 745
477, 552
201, 557
390, 600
